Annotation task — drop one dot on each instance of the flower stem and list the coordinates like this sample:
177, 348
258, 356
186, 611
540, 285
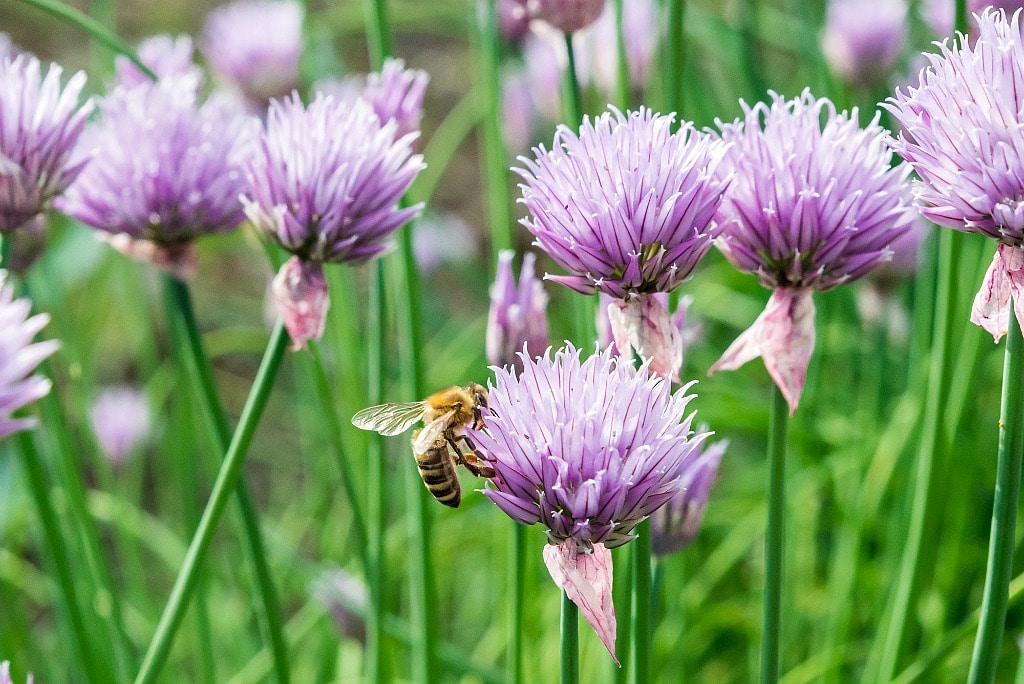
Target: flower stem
375, 479
55, 542
773, 543
676, 58
499, 208
641, 636
569, 632
517, 595
622, 79
184, 322
573, 108
230, 470
1004, 512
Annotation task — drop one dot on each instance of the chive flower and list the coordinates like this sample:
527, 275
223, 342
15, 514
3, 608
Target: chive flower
568, 16
587, 448
676, 524
121, 419
815, 202
166, 170
518, 317
40, 123
396, 94
325, 184
963, 133
513, 20
863, 39
165, 56
19, 357
628, 208
253, 47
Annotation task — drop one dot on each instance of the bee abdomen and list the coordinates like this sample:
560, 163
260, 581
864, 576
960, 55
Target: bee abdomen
438, 473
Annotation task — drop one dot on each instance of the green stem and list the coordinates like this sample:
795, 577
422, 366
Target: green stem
376, 491
676, 58
624, 625
179, 302
94, 28
378, 34
1004, 512
516, 597
227, 478
888, 644
751, 19
773, 543
499, 207
962, 17
623, 85
573, 108
570, 637
641, 627
56, 544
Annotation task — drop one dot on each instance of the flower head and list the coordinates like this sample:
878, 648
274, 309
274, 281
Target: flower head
254, 46
588, 449
518, 313
863, 38
642, 27
396, 94
964, 136
120, 419
327, 197
675, 525
19, 357
626, 206
513, 20
166, 57
166, 170
815, 203
39, 125
566, 15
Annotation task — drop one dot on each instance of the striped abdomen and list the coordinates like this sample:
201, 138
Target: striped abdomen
437, 468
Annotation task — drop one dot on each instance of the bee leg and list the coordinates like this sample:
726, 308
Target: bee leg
472, 459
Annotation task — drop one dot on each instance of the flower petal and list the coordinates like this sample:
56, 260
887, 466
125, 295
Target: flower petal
587, 581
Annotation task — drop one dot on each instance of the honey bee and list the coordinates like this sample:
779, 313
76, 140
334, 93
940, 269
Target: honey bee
441, 444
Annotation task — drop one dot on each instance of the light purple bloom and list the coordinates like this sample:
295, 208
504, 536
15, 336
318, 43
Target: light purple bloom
642, 26
325, 197
566, 15
121, 420
863, 38
39, 125
166, 57
675, 525
443, 239
963, 132
588, 449
166, 171
626, 206
940, 14
396, 94
254, 46
513, 21
518, 314
19, 357
815, 202
544, 61
346, 599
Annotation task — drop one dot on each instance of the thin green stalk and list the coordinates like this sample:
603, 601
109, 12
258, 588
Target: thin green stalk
227, 478
517, 595
773, 542
55, 543
94, 28
570, 638
376, 524
378, 32
641, 632
675, 49
573, 107
499, 206
623, 87
751, 18
890, 639
192, 356
985, 659
624, 625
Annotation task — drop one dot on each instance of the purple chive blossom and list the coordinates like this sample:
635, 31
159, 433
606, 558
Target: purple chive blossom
642, 26
566, 15
940, 14
396, 94
121, 420
518, 313
675, 525
346, 599
19, 357
39, 125
513, 20
963, 133
166, 171
166, 57
443, 238
254, 46
863, 38
325, 197
628, 208
588, 449
815, 202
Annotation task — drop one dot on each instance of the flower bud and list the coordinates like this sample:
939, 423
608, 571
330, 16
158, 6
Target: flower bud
518, 314
674, 525
566, 15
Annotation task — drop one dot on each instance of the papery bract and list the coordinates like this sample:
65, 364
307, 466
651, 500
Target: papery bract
586, 579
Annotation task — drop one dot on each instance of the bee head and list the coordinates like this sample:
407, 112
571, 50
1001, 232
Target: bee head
479, 394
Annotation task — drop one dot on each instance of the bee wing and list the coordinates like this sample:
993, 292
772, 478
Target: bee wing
389, 419
426, 437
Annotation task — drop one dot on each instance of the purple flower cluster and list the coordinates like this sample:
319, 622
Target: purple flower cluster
675, 525
396, 94
19, 357
518, 314
863, 38
626, 206
166, 57
39, 125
